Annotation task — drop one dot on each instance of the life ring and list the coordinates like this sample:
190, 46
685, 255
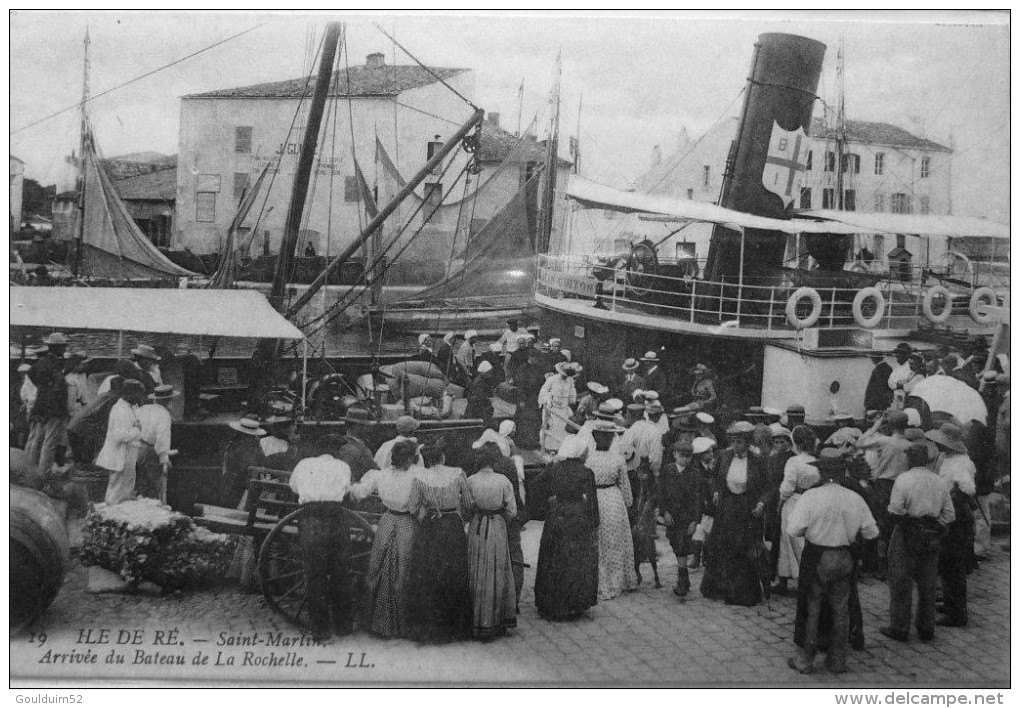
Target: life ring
816, 308
982, 297
869, 293
929, 298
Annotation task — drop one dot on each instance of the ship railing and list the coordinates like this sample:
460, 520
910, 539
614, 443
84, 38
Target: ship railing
727, 302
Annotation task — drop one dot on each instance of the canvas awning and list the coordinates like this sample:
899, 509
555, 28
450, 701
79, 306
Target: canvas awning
602, 197
222, 313
824, 221
915, 224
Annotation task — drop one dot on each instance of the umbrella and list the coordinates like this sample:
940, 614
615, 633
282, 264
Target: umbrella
944, 394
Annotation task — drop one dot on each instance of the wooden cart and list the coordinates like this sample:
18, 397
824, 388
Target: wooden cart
271, 517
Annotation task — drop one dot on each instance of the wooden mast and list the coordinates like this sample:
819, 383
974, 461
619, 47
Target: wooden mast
551, 160
82, 143
284, 262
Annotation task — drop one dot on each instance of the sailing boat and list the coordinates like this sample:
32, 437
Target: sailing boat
108, 246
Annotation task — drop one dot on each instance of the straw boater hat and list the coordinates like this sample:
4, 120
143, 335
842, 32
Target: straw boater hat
774, 413
651, 395
605, 412
470, 334
555, 342
163, 392
244, 425
407, 425
566, 369
740, 428
630, 365
614, 404
702, 445
24, 368
778, 431
56, 339
949, 436
484, 367
146, 352
755, 414
606, 426
597, 388
704, 418
650, 356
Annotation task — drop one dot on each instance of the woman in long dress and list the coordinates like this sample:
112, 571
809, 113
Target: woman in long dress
612, 485
557, 395
494, 599
385, 603
739, 493
799, 475
567, 582
439, 605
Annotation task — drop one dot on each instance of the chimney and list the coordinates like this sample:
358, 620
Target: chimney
656, 155
493, 118
375, 60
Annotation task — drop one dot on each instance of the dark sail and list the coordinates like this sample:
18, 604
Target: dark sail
779, 97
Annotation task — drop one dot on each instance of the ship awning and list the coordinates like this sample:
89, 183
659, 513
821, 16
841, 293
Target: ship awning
825, 221
218, 313
600, 196
916, 224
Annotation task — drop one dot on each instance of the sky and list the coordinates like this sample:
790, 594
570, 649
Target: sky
630, 81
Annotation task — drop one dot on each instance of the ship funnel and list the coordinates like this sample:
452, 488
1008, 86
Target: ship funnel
769, 155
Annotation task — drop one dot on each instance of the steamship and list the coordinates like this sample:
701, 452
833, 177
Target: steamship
777, 335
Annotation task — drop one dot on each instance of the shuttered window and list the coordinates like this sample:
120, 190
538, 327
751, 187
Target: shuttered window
240, 182
242, 139
351, 189
205, 207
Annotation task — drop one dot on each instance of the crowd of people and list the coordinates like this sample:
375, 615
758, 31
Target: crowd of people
757, 504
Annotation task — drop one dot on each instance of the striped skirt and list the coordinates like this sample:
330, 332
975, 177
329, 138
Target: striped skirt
384, 605
494, 597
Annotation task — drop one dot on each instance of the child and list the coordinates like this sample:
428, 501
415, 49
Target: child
680, 505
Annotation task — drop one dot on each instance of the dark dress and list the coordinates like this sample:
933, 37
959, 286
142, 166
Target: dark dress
479, 398
734, 572
530, 380
439, 603
878, 396
567, 582
773, 517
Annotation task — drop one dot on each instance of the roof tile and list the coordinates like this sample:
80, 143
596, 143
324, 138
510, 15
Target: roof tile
869, 132
364, 81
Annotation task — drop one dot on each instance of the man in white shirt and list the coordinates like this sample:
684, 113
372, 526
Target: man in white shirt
829, 517
957, 470
901, 369
120, 450
923, 510
508, 340
154, 444
321, 483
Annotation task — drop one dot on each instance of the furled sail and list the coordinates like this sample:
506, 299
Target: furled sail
226, 271
112, 245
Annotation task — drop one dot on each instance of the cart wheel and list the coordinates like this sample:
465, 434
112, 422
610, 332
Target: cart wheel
281, 567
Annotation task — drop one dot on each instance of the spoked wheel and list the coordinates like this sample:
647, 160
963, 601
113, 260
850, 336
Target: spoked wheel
641, 269
281, 567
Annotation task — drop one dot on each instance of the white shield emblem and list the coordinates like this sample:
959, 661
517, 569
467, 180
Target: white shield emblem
785, 163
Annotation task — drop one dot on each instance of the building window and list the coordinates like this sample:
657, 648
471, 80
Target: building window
205, 207
900, 204
707, 176
828, 198
621, 245
208, 183
852, 163
850, 200
925, 167
690, 194
242, 139
240, 182
810, 158
830, 161
431, 148
351, 189
805, 198
879, 203
925, 205
433, 196
879, 163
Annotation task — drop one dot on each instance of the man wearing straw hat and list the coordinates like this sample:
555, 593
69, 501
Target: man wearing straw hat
957, 470
48, 421
830, 518
147, 359
154, 444
241, 453
631, 380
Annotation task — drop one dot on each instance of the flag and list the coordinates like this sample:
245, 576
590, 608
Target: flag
391, 170
371, 208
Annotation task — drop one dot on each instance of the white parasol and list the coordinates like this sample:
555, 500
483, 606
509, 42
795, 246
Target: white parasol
948, 395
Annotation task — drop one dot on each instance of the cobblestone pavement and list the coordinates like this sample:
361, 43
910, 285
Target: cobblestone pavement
642, 638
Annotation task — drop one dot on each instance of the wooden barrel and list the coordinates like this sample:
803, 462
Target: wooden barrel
39, 555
